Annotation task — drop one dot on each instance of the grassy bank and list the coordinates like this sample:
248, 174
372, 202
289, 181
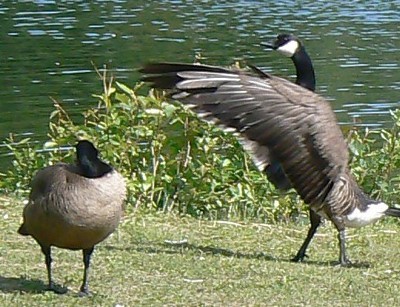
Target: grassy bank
202, 225
162, 259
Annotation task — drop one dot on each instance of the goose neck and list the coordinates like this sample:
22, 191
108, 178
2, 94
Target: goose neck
304, 69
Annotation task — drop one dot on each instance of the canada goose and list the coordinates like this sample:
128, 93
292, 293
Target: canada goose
74, 206
290, 46
279, 120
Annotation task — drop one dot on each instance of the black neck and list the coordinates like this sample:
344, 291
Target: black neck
304, 69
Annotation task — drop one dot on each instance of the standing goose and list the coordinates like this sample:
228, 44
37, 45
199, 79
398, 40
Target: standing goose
281, 120
74, 206
290, 46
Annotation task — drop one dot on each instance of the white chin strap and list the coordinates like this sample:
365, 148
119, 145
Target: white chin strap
289, 49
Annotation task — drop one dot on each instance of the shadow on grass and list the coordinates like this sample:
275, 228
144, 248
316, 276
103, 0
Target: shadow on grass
227, 252
260, 255
15, 284
167, 248
177, 248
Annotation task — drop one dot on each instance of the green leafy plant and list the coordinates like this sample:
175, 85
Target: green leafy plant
175, 162
376, 160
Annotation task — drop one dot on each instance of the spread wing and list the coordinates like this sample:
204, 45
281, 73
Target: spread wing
273, 116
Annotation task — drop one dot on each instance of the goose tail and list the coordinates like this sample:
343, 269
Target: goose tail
392, 211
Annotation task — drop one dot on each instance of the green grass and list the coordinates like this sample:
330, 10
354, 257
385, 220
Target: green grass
222, 263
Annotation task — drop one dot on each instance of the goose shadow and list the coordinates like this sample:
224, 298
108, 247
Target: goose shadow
21, 284
257, 255
213, 250
179, 248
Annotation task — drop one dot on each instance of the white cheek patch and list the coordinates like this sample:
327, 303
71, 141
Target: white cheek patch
289, 49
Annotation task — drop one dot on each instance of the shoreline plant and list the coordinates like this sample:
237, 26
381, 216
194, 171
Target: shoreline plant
175, 162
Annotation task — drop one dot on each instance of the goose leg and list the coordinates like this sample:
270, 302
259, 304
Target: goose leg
343, 259
337, 221
87, 253
46, 250
315, 221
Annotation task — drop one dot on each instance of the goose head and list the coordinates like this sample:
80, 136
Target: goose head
290, 46
88, 161
286, 44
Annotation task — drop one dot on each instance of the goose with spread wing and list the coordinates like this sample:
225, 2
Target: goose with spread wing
282, 121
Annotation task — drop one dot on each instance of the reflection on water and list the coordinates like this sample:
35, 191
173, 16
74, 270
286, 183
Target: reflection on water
48, 48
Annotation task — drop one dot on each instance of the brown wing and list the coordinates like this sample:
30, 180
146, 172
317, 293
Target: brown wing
274, 115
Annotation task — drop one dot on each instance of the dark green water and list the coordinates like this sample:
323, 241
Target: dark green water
47, 48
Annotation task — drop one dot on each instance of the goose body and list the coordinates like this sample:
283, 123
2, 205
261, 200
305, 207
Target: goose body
281, 121
74, 217
290, 46
74, 206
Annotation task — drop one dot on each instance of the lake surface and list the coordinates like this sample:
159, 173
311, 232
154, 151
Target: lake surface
47, 49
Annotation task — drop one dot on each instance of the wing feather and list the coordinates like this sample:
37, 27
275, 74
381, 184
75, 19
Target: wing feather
273, 116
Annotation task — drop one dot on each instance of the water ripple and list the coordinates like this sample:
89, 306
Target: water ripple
49, 48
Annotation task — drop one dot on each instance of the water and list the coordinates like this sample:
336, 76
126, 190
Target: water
48, 49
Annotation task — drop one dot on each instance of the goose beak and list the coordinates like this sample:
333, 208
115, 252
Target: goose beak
270, 45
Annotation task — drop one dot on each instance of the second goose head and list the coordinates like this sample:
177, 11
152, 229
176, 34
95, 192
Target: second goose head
290, 46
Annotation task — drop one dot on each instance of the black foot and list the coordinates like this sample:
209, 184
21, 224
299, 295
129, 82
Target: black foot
83, 293
299, 258
345, 263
